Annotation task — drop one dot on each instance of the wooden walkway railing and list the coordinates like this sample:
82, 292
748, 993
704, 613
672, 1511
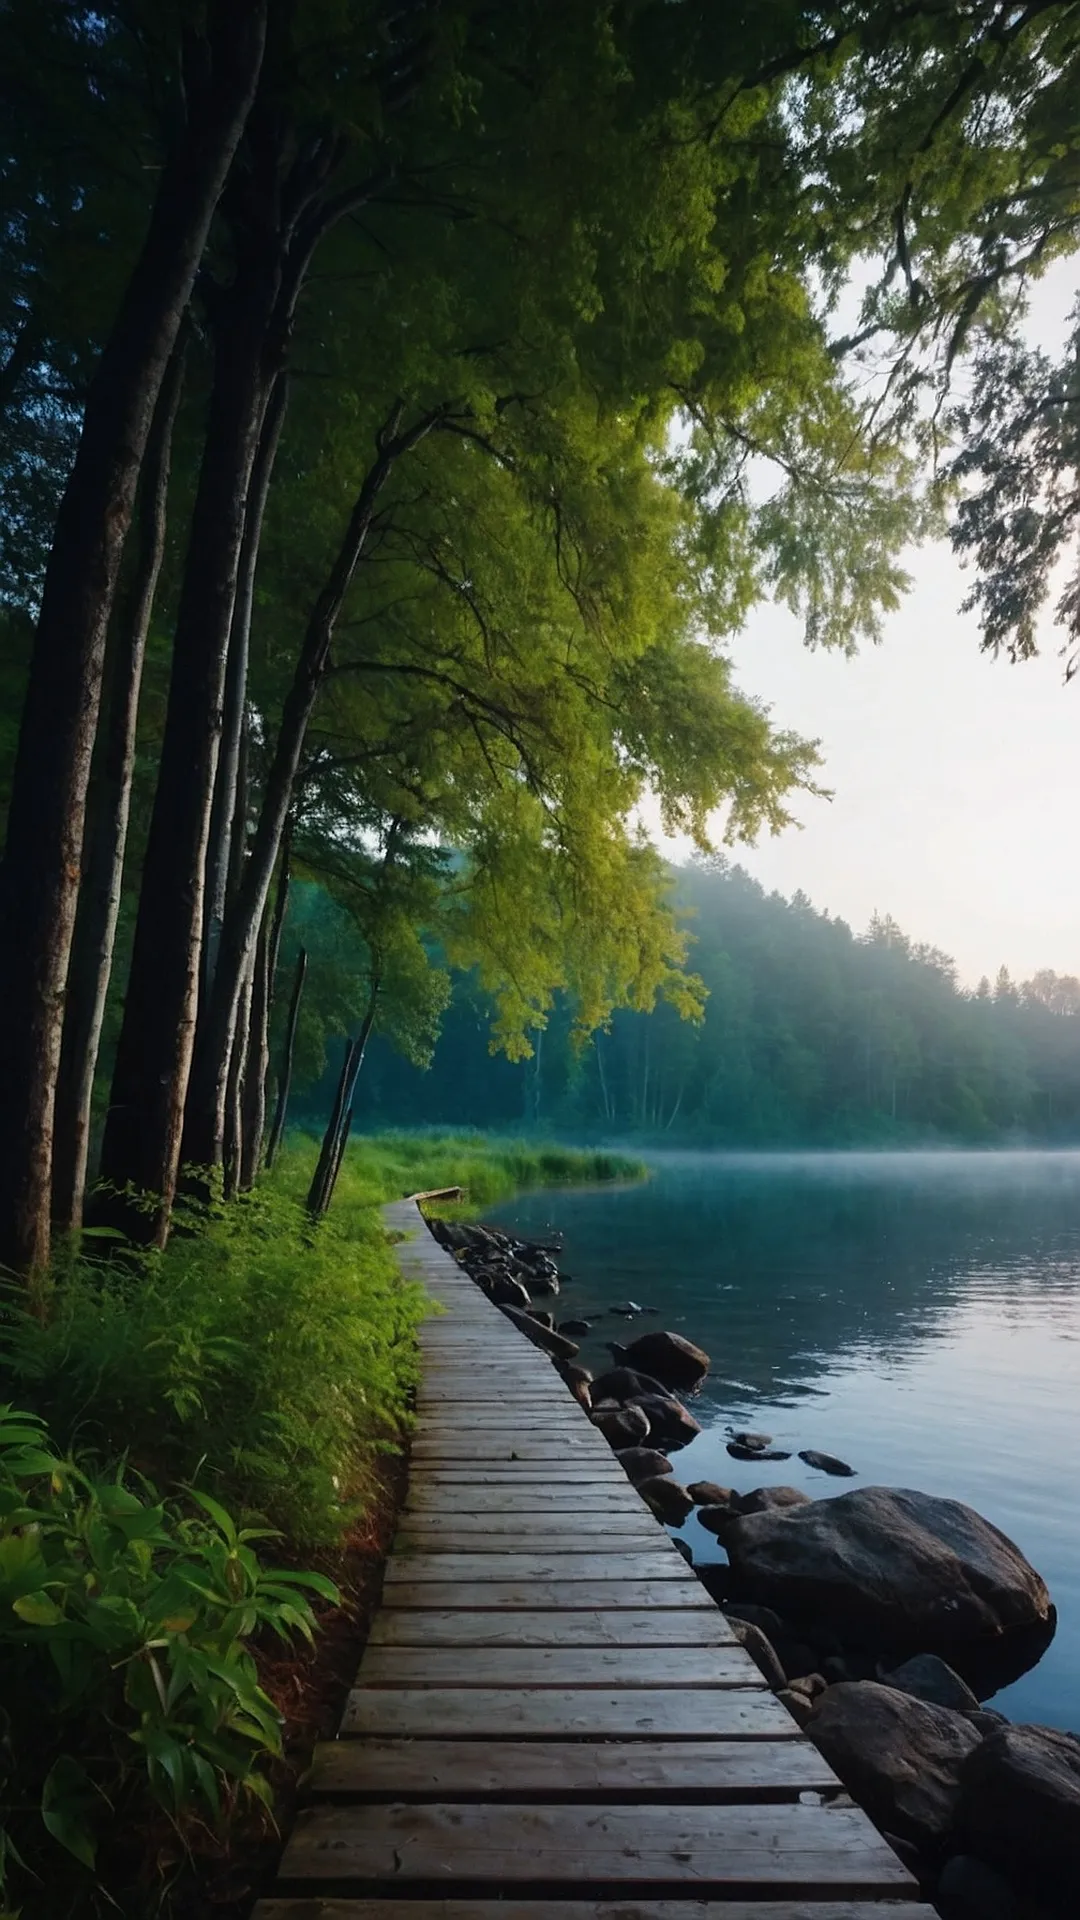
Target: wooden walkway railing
552, 1718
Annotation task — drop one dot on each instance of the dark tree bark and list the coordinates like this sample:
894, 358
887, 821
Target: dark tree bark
224, 855
336, 1136
234, 1109
277, 209
142, 1138
206, 1106
281, 1104
256, 1065
99, 897
39, 880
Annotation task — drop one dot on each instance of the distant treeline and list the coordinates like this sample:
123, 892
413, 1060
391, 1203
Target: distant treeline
811, 1033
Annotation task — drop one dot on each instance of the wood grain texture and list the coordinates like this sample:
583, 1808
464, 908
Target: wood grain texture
626, 1907
548, 1713
610, 1534
706, 1848
417, 1627
641, 1772
555, 1594
656, 1563
584, 1667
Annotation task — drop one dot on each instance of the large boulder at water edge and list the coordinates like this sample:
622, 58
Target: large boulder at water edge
927, 1677
642, 1463
668, 1500
669, 1358
1020, 1809
622, 1384
668, 1419
902, 1759
625, 1428
888, 1567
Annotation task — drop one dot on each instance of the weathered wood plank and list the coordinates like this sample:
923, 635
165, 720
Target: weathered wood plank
555, 1594
628, 1907
706, 1848
561, 1536
584, 1667
642, 1772
667, 1627
547, 1713
655, 1563
555, 1452
431, 1503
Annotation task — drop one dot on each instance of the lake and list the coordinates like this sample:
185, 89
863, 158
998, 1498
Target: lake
916, 1313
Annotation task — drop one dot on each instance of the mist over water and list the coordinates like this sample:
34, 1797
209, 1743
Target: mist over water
916, 1313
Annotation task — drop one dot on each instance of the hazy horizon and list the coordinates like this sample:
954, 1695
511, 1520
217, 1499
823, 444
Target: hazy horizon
953, 775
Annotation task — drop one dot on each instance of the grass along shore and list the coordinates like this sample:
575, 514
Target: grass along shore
199, 1468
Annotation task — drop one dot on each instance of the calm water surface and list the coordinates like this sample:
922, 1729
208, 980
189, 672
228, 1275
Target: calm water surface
917, 1314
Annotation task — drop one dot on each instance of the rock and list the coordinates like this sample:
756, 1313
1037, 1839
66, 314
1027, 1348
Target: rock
764, 1617
1020, 1810
579, 1381
683, 1547
738, 1452
669, 1421
888, 1567
970, 1890
669, 1501
753, 1442
986, 1721
761, 1652
541, 1336
717, 1519
622, 1384
624, 1428
641, 1463
706, 1493
825, 1462
772, 1499
506, 1292
901, 1758
714, 1578
797, 1705
544, 1319
669, 1358
543, 1282
575, 1326
812, 1684
926, 1677
795, 1656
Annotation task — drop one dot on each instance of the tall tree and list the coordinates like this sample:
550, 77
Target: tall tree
218, 71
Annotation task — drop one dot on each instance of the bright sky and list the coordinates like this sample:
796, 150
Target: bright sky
956, 778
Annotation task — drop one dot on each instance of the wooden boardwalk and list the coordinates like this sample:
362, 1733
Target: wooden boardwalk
552, 1719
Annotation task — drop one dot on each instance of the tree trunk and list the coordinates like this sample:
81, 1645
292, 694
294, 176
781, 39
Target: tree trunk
337, 1127
223, 857
39, 881
143, 1130
234, 1111
281, 1105
242, 917
256, 1065
99, 898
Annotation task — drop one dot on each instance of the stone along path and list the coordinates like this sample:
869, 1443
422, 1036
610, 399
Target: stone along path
552, 1718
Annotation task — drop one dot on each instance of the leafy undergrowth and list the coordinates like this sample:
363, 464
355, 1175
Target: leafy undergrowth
386, 1166
199, 1447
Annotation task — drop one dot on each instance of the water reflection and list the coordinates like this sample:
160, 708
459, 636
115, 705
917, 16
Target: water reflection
917, 1314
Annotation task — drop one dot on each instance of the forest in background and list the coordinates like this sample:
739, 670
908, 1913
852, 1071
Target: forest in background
810, 1034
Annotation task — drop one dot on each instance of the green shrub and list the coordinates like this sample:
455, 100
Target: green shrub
124, 1631
263, 1360
386, 1166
